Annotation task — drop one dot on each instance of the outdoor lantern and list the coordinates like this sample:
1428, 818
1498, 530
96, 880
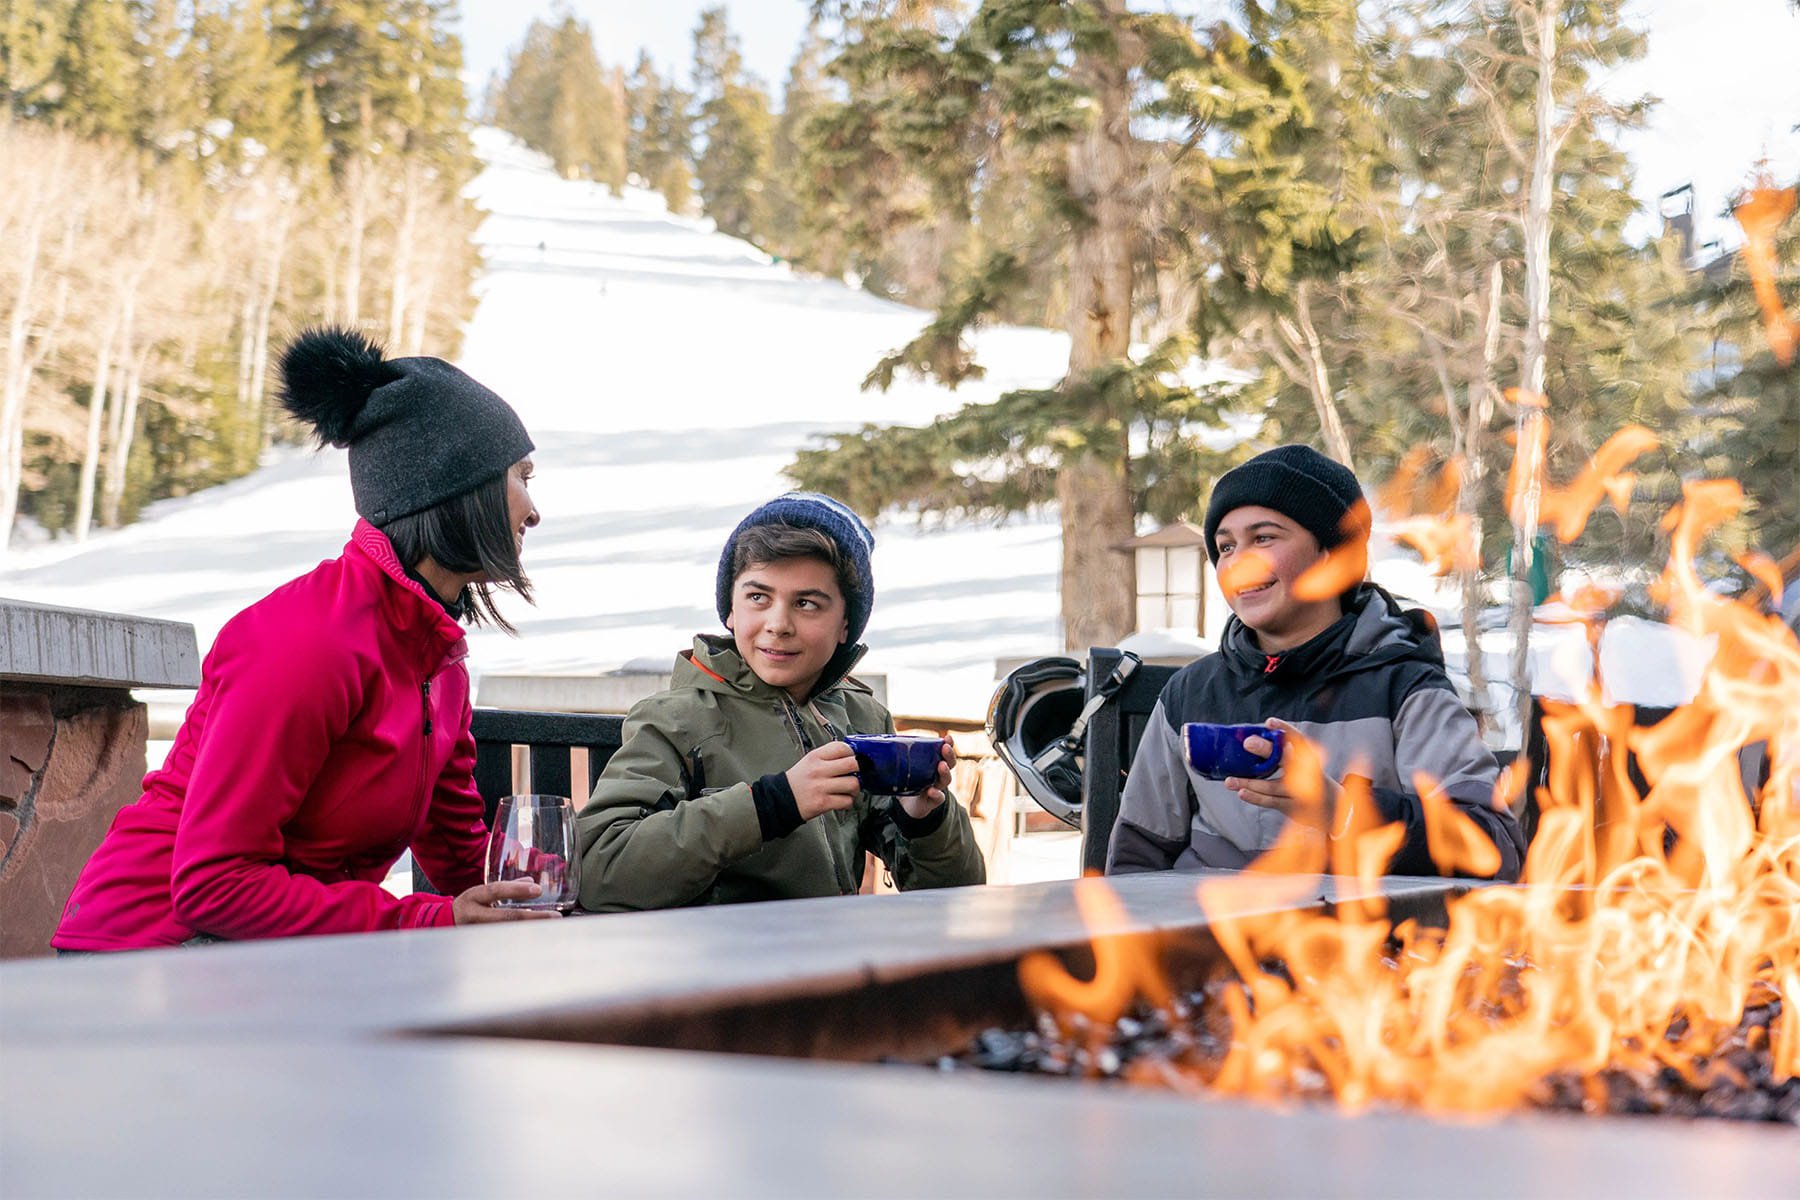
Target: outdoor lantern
1171, 578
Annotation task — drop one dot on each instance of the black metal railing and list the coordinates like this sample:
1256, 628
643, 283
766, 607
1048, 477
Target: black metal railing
550, 741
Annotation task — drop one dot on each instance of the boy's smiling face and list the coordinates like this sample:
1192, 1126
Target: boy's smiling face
788, 619
1261, 554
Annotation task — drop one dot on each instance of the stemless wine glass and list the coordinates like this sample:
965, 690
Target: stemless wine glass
534, 838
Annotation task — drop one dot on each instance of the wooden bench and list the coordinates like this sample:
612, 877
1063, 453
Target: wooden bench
550, 741
1112, 742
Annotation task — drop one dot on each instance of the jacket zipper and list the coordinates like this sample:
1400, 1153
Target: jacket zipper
423, 791
799, 731
838, 870
425, 786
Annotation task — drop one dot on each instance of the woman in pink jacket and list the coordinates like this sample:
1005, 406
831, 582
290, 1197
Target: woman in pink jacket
331, 729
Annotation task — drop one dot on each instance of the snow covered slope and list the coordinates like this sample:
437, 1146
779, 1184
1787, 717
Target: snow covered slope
667, 373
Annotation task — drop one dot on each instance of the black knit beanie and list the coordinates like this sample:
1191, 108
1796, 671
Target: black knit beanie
419, 431
1299, 483
833, 518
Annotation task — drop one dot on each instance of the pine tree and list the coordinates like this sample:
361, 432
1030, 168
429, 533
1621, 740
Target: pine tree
98, 73
526, 92
659, 147
801, 100
1748, 403
1291, 186
735, 131
33, 36
893, 168
558, 98
1067, 79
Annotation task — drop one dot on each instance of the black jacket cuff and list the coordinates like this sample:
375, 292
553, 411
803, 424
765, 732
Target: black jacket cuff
777, 812
911, 827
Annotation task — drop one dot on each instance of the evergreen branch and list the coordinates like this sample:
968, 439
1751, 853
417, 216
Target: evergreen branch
939, 351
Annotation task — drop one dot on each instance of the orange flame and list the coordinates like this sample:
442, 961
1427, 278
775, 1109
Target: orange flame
1567, 509
1761, 214
1344, 565
1125, 968
1653, 915
1421, 512
1445, 543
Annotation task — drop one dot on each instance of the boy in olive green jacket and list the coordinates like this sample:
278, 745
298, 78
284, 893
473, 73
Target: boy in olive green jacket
733, 784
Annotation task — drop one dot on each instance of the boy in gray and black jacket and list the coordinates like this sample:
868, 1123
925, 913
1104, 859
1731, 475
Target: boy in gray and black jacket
1354, 673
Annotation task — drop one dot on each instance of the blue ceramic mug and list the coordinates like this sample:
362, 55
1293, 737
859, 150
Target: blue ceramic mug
896, 764
1217, 751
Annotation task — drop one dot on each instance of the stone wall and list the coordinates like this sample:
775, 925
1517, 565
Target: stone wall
71, 746
70, 758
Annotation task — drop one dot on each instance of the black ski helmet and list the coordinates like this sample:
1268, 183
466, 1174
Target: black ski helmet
1038, 721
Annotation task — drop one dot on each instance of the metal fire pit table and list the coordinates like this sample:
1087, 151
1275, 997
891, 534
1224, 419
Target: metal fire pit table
415, 1064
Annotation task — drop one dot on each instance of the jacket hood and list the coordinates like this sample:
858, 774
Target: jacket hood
1373, 631
714, 665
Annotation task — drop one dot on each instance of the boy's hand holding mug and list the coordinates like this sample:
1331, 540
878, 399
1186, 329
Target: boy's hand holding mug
1303, 760
924, 803
825, 780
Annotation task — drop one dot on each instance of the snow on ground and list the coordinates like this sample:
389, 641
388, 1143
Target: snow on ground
667, 373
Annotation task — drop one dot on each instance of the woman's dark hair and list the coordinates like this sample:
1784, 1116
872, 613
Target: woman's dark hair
468, 533
761, 545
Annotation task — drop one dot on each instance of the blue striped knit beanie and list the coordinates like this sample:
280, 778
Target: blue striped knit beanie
811, 510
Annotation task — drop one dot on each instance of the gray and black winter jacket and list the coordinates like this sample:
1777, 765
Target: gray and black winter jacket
1371, 691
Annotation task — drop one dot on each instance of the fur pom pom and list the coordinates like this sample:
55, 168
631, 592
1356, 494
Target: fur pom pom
327, 374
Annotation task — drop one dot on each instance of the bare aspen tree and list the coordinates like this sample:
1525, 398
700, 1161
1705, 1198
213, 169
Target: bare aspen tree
37, 229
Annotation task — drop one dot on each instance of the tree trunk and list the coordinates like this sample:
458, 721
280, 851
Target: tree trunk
1532, 402
405, 233
420, 321
246, 339
90, 459
116, 440
17, 378
357, 217
33, 213
1099, 596
1304, 340
133, 385
361, 169
1468, 500
268, 289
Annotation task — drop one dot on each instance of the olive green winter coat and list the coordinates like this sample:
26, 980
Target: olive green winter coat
671, 821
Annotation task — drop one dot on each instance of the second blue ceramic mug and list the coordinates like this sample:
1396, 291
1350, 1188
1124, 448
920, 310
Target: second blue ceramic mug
1217, 751
896, 764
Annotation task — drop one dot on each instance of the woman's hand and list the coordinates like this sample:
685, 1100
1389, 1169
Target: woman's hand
929, 800
478, 905
1301, 763
825, 780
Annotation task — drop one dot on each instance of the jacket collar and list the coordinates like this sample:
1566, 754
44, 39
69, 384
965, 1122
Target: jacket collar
715, 665
1373, 630
412, 609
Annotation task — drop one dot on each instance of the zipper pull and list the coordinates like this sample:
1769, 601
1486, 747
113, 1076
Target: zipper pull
425, 704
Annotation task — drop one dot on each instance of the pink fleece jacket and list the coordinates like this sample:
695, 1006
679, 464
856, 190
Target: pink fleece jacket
330, 733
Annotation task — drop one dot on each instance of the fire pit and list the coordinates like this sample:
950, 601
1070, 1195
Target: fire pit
312, 1066
1186, 1044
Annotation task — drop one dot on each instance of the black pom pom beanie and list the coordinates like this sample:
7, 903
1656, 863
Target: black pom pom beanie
419, 430
1298, 482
